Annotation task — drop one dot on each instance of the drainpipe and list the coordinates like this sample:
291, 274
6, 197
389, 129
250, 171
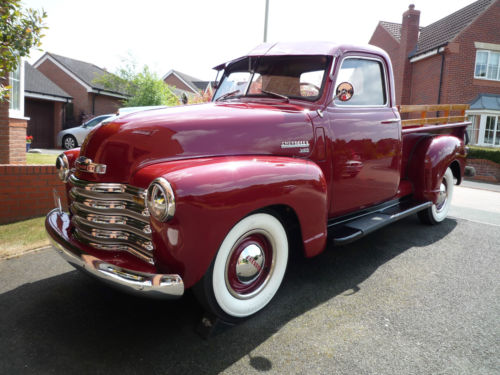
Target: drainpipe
93, 100
441, 52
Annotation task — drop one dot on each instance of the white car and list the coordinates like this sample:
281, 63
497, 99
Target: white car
74, 137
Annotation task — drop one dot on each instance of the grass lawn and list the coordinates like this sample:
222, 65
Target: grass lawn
19, 237
32, 158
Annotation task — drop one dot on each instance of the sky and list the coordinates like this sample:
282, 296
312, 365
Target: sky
193, 36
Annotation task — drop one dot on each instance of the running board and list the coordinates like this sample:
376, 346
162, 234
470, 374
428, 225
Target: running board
348, 231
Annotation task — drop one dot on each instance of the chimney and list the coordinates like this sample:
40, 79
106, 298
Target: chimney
409, 39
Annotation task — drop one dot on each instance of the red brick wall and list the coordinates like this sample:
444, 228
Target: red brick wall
172, 80
12, 135
425, 81
459, 85
4, 131
17, 141
486, 170
106, 104
81, 102
26, 191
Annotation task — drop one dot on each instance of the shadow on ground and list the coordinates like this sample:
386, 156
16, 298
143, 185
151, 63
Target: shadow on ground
70, 323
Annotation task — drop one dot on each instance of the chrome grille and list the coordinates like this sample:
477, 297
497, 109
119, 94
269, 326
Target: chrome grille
111, 216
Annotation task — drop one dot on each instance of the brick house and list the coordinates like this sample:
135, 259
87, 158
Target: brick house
77, 78
44, 105
184, 84
454, 60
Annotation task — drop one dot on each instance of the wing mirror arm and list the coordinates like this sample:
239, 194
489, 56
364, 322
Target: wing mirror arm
344, 93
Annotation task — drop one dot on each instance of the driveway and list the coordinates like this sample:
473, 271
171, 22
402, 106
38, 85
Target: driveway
408, 299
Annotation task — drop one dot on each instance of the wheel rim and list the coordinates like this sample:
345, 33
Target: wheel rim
442, 197
69, 143
250, 264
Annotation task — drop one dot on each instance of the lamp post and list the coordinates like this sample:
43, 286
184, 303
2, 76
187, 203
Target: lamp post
265, 21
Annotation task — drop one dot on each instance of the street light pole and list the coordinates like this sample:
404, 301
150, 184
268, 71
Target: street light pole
265, 22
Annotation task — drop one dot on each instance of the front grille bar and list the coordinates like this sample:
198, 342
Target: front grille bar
111, 216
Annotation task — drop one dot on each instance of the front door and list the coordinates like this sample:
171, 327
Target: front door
366, 138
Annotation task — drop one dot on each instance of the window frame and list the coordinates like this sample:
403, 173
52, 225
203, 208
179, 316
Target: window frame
495, 130
373, 58
17, 113
485, 78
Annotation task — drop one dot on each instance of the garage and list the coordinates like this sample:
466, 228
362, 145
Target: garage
44, 105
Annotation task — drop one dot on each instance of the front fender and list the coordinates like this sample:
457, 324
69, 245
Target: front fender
213, 194
429, 163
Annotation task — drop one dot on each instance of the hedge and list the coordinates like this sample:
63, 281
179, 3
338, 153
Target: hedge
492, 154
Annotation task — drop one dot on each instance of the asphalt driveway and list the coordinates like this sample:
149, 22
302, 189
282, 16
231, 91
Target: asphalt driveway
408, 299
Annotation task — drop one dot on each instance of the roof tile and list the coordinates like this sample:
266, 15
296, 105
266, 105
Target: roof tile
36, 82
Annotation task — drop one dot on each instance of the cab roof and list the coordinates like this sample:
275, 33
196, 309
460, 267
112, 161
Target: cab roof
304, 48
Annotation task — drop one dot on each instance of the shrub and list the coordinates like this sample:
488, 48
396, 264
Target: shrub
492, 154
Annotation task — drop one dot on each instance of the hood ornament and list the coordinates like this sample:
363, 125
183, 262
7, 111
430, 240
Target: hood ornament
85, 164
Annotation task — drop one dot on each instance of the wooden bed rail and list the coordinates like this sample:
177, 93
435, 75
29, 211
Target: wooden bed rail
424, 120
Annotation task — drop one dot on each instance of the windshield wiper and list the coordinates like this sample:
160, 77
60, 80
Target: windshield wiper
226, 95
281, 96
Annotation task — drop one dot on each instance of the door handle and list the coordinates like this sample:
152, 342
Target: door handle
390, 121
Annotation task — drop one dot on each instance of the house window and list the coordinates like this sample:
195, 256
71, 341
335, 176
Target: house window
16, 100
487, 65
473, 130
492, 131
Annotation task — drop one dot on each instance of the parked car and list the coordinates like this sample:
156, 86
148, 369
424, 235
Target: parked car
302, 141
73, 137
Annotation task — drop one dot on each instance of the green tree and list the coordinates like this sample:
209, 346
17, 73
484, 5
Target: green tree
20, 30
142, 88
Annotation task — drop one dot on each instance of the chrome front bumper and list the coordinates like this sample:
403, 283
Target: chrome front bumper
135, 282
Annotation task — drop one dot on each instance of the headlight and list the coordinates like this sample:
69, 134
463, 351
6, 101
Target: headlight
62, 166
160, 200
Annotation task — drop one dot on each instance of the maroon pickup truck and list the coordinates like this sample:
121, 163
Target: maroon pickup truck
301, 142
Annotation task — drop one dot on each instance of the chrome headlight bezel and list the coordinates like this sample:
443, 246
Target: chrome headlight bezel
62, 166
160, 200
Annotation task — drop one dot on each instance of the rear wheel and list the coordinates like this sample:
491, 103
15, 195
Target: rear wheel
247, 270
439, 211
69, 142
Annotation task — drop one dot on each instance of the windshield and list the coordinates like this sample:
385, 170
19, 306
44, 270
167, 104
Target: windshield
95, 121
294, 77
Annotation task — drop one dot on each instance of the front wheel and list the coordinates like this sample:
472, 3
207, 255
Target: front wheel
439, 211
247, 270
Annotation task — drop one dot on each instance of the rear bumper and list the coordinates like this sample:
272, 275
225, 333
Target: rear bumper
135, 282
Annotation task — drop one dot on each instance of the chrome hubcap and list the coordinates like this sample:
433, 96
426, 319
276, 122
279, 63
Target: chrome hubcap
250, 263
442, 197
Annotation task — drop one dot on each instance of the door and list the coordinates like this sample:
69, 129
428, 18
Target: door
366, 138
41, 122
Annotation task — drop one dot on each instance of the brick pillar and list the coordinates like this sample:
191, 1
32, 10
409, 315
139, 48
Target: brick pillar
12, 135
409, 39
58, 118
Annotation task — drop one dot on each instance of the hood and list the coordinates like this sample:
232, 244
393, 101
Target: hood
134, 141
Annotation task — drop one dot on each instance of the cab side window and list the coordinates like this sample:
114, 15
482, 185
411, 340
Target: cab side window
367, 78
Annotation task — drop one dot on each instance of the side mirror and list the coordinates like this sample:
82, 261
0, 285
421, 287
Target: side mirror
344, 91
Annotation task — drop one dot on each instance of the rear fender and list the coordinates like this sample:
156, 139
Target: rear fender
213, 194
430, 161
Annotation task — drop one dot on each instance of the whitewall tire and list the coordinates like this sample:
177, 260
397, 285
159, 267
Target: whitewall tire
248, 268
439, 211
